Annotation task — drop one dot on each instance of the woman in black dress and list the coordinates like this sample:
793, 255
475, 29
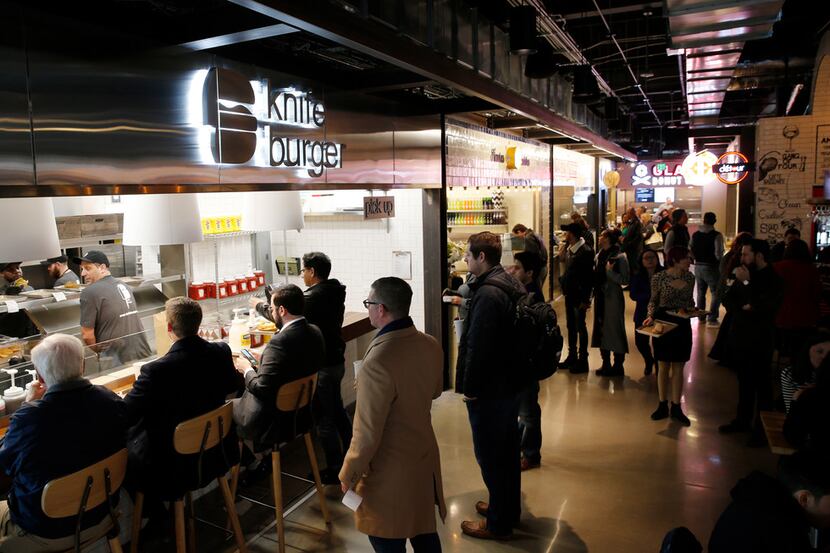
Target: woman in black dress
671, 290
728, 263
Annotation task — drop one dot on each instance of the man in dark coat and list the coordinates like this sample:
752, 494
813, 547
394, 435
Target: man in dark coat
577, 281
193, 378
489, 380
753, 297
297, 350
769, 515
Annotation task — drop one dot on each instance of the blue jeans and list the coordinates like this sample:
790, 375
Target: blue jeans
496, 446
530, 423
708, 276
333, 425
423, 543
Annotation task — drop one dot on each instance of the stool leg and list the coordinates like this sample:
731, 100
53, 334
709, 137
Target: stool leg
191, 525
115, 545
229, 505
137, 511
178, 509
312, 457
276, 476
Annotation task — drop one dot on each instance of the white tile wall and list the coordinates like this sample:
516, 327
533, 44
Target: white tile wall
361, 251
234, 254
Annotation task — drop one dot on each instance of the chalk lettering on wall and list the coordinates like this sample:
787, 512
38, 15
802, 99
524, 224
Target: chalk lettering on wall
822, 153
793, 161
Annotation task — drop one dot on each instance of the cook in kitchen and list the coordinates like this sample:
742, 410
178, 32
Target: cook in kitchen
11, 284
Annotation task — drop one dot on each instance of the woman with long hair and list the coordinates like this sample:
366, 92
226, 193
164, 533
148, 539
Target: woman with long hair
610, 275
728, 263
640, 292
672, 290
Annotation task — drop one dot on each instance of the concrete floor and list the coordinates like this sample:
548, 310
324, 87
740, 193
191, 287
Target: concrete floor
611, 479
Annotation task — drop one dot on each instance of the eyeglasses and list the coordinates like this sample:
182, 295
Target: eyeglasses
367, 303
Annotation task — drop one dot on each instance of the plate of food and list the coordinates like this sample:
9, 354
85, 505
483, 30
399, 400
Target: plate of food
71, 286
688, 313
657, 329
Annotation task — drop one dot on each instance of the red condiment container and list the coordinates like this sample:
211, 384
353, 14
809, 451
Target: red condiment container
221, 290
196, 291
260, 278
210, 289
242, 284
253, 282
232, 285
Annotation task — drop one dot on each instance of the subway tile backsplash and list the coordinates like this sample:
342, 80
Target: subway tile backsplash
362, 251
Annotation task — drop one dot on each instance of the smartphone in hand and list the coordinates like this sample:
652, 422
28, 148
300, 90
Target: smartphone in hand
250, 357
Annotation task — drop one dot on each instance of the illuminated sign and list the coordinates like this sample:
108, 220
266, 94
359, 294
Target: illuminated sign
246, 123
657, 174
697, 168
732, 167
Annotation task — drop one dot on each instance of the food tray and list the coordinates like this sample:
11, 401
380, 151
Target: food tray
4, 297
76, 288
689, 314
649, 330
38, 293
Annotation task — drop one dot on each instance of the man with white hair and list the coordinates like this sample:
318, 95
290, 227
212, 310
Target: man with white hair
66, 425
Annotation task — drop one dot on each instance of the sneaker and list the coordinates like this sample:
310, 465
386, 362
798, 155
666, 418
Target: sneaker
713, 324
677, 414
662, 411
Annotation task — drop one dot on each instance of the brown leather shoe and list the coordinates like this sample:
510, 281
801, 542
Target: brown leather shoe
527, 465
482, 507
478, 529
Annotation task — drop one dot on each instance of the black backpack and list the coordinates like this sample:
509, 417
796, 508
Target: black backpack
535, 333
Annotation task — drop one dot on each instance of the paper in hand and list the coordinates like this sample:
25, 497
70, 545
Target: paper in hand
352, 500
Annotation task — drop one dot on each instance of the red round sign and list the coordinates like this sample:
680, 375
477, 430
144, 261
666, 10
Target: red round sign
731, 173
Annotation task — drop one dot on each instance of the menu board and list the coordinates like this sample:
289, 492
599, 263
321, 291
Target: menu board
644, 195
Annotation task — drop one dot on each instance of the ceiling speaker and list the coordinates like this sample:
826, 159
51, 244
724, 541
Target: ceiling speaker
523, 30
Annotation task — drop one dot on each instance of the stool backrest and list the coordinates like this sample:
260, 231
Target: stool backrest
64, 497
203, 432
294, 395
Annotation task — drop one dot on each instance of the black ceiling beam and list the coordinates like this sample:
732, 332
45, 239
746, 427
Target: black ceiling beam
229, 39
386, 82
511, 122
614, 11
554, 141
448, 106
368, 37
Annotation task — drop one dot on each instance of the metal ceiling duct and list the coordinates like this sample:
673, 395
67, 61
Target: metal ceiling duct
713, 36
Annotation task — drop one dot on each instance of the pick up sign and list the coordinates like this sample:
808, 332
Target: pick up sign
378, 207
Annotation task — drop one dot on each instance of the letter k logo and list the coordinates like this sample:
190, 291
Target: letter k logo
225, 96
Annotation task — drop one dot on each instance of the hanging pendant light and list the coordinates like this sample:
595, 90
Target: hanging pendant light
161, 219
29, 230
523, 30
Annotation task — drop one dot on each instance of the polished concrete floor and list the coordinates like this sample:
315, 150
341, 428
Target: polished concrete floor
611, 479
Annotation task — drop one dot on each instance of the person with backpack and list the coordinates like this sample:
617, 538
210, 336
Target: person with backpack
525, 267
489, 379
610, 275
707, 249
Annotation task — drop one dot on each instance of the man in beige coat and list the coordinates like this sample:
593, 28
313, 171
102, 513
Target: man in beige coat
393, 461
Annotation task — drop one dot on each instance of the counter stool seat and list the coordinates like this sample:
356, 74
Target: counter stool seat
197, 436
293, 399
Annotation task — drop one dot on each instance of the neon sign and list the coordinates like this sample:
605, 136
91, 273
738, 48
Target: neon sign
657, 174
732, 167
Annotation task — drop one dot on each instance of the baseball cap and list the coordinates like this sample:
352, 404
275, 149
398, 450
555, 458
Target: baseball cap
58, 259
7, 263
572, 228
93, 256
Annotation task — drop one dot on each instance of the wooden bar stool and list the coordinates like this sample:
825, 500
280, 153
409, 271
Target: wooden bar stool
294, 405
75, 494
196, 436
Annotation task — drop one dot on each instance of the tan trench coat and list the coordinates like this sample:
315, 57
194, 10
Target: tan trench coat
393, 461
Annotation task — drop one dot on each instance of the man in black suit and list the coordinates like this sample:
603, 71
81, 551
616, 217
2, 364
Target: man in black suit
297, 350
193, 378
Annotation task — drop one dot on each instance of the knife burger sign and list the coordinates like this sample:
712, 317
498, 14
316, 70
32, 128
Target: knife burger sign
255, 122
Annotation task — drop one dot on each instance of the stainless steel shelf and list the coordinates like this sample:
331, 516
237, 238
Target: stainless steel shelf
31, 303
229, 234
88, 240
137, 282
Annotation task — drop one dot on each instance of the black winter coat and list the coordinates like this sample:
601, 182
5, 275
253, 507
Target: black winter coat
486, 361
755, 327
762, 518
325, 304
578, 279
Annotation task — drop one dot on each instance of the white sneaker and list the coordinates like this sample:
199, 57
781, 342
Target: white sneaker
713, 324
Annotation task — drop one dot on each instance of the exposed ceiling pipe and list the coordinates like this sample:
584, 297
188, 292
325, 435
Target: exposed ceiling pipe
646, 99
793, 95
682, 72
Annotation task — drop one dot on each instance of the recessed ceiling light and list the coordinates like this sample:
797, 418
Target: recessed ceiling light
647, 74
